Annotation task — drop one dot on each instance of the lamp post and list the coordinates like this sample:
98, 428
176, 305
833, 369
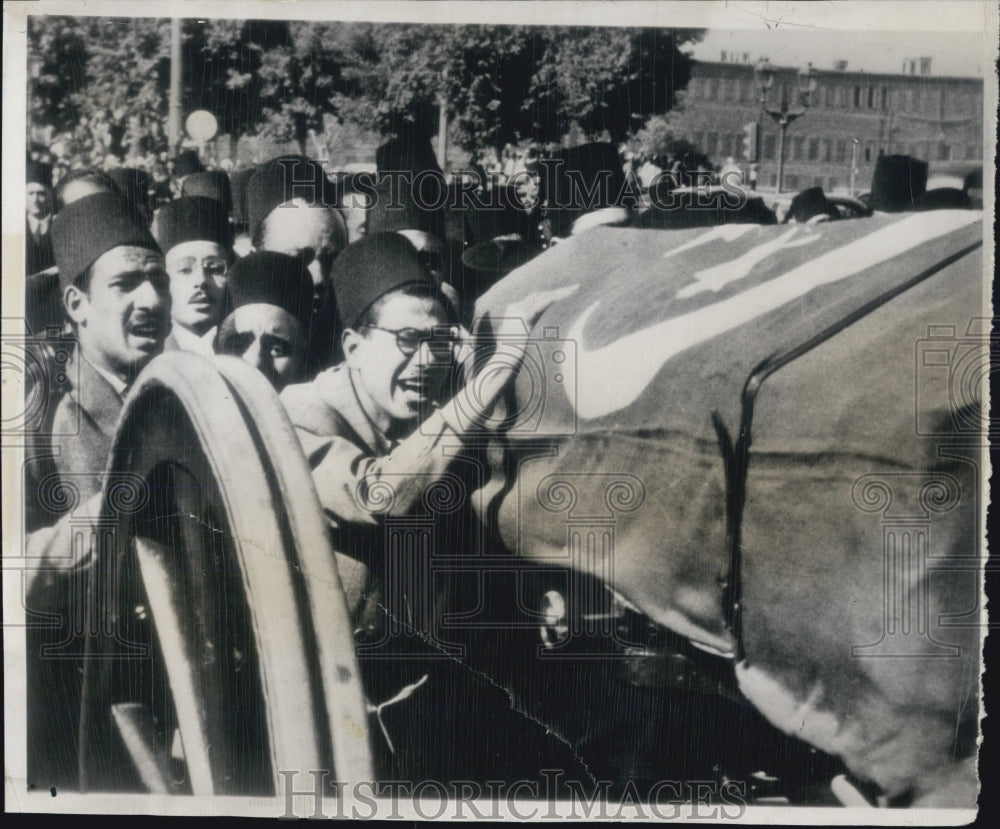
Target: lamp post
783, 113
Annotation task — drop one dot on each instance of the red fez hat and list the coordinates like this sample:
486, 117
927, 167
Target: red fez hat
186, 163
91, 226
212, 184
190, 219
372, 267
271, 279
39, 173
282, 179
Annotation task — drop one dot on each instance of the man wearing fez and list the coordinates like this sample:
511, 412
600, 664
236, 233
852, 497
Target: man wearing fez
195, 237
358, 426
38, 210
268, 313
292, 209
115, 293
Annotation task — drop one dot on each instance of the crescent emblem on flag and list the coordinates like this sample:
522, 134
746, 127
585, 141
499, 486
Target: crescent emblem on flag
612, 377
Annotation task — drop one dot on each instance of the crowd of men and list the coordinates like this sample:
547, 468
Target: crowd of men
360, 326
354, 297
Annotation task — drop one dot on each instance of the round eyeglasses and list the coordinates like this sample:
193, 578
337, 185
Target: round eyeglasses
441, 340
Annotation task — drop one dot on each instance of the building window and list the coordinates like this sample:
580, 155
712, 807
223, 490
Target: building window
970, 152
723, 89
871, 97
868, 153
711, 89
792, 182
857, 97
711, 144
774, 179
832, 184
944, 152
769, 148
737, 92
813, 149
885, 98
826, 149
798, 145
817, 181
840, 150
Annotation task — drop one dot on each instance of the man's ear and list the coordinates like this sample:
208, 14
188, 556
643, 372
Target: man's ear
350, 340
76, 303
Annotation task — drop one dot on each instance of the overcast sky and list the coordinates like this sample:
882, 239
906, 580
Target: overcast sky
953, 53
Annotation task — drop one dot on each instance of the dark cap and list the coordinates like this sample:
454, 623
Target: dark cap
282, 179
502, 215
498, 257
238, 187
39, 173
212, 184
194, 218
897, 182
271, 279
133, 184
372, 267
404, 204
91, 226
577, 180
807, 204
410, 151
186, 163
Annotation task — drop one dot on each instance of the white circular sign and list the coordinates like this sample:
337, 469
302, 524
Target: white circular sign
201, 125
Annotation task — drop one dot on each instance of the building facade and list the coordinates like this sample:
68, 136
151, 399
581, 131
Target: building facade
853, 118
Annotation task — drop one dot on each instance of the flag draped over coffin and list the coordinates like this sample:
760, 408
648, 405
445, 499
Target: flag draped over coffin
634, 394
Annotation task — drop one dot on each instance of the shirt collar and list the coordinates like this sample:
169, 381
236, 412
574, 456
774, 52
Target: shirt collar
115, 382
38, 225
189, 341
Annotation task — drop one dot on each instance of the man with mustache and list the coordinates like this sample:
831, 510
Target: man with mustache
380, 431
115, 294
195, 237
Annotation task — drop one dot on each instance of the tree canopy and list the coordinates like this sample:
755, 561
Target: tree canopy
100, 85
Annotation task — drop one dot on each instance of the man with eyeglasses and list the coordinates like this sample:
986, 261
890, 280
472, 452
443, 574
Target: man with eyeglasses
379, 433
194, 234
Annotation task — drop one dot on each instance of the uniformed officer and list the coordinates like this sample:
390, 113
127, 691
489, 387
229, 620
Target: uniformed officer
195, 237
268, 313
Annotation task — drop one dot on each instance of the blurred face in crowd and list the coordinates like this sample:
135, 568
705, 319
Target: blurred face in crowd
197, 271
38, 203
397, 371
123, 316
268, 338
314, 234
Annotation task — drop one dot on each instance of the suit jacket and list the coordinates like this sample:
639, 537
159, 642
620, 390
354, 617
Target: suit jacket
71, 461
37, 255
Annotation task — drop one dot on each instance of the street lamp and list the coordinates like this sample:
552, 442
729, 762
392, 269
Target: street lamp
783, 113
